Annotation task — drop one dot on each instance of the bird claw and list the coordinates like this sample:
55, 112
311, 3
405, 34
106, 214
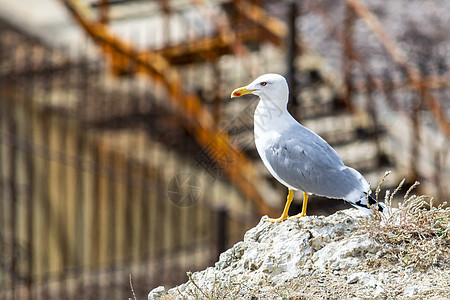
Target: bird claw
278, 220
297, 216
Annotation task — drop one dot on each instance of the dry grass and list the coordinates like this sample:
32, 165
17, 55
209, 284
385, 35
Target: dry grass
234, 289
417, 232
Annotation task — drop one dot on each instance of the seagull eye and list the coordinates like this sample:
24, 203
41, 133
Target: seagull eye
264, 83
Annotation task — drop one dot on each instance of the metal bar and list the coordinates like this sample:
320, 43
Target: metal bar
160, 229
347, 56
291, 57
30, 171
12, 180
80, 219
103, 11
217, 100
274, 29
222, 231
203, 48
381, 83
381, 156
3, 204
64, 210
415, 143
113, 2
113, 229
145, 211
94, 222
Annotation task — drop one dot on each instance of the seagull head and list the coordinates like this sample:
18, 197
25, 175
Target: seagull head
272, 87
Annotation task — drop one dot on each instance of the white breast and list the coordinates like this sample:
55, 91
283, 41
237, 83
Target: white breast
263, 140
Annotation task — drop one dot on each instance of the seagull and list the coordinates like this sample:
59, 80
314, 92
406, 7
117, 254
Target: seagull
297, 157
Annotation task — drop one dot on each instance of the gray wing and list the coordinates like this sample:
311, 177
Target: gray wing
304, 160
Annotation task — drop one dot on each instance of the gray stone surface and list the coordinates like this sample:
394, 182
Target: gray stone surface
324, 254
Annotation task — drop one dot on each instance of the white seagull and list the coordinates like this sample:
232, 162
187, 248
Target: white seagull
296, 156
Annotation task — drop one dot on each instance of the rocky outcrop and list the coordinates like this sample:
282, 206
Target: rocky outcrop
314, 257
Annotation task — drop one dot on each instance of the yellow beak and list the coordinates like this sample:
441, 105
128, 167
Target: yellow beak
240, 92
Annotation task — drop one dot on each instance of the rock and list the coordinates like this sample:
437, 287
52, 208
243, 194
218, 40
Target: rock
315, 253
156, 293
364, 279
353, 279
281, 252
413, 290
344, 254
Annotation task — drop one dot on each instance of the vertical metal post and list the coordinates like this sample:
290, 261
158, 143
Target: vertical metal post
30, 178
382, 158
11, 179
159, 225
4, 203
45, 199
347, 56
103, 12
415, 141
113, 230
64, 198
83, 204
292, 53
222, 233
129, 206
217, 101
439, 162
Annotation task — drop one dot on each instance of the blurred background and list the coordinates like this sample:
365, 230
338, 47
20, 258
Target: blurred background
121, 152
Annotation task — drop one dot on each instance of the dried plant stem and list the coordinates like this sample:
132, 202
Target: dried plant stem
411, 188
189, 275
396, 190
132, 289
377, 191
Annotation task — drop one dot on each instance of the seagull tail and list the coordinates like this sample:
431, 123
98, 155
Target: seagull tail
364, 206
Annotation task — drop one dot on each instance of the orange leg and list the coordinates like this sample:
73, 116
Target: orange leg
284, 215
303, 213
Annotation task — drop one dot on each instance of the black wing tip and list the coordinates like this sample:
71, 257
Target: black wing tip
374, 202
